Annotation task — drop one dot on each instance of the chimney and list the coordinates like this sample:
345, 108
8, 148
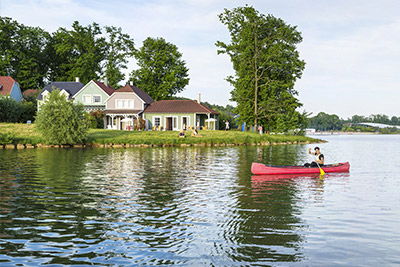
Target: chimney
131, 83
198, 98
106, 81
77, 79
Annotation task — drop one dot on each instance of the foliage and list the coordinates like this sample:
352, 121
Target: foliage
6, 138
96, 116
10, 109
225, 114
28, 111
60, 121
332, 122
266, 64
326, 122
139, 124
119, 48
79, 52
162, 73
22, 53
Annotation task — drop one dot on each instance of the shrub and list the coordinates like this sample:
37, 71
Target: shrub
10, 109
98, 116
61, 121
6, 138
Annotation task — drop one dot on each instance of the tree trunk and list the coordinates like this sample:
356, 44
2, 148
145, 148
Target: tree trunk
256, 80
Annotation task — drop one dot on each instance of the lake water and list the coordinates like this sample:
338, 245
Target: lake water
200, 206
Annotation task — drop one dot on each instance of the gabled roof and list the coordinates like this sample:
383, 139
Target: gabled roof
139, 92
31, 92
106, 88
178, 106
6, 84
71, 87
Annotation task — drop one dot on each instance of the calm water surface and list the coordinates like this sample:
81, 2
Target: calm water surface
200, 207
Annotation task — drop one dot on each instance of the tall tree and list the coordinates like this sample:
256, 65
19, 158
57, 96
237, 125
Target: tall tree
266, 64
119, 47
80, 52
22, 53
162, 73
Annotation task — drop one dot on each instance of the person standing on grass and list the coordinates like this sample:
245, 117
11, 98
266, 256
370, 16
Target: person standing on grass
226, 125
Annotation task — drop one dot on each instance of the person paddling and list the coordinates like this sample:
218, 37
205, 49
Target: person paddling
319, 158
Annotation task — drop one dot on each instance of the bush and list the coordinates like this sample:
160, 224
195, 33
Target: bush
6, 138
10, 109
98, 116
61, 121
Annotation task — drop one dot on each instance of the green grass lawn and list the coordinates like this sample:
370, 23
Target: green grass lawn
28, 134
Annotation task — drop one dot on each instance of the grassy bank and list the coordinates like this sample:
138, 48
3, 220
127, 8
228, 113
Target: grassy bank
27, 134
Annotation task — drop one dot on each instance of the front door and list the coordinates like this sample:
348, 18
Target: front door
184, 123
169, 124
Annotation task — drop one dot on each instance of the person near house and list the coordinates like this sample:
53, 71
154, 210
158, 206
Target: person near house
319, 158
181, 134
226, 125
195, 133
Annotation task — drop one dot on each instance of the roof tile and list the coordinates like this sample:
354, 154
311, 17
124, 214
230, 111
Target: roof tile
178, 106
6, 84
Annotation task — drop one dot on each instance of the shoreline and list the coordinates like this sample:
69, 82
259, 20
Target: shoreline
112, 145
23, 136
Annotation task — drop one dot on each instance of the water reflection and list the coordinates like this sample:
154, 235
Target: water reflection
161, 206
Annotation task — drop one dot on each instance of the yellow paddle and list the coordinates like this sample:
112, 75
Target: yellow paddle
320, 169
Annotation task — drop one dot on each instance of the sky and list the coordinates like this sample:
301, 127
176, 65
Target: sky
351, 47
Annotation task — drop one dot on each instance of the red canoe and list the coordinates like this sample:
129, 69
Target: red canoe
262, 169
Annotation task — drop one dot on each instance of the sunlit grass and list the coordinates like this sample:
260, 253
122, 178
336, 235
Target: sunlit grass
28, 134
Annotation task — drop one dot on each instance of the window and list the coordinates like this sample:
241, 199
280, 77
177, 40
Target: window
96, 99
157, 121
86, 99
124, 103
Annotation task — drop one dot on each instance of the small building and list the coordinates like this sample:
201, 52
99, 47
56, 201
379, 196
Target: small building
94, 95
9, 87
124, 106
31, 93
69, 89
174, 115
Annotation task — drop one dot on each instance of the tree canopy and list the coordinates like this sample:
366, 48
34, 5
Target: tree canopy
162, 73
33, 56
266, 64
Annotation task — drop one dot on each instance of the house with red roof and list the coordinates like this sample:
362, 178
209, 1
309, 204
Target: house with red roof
124, 106
94, 95
174, 115
9, 87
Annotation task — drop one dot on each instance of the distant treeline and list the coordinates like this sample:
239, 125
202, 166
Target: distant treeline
332, 122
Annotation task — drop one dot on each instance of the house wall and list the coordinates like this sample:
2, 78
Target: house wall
16, 92
137, 103
149, 117
91, 89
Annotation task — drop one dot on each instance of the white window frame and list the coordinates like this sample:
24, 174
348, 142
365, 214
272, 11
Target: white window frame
89, 97
154, 120
124, 104
174, 120
187, 121
94, 102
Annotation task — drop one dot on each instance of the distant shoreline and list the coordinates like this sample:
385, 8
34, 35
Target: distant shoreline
342, 133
